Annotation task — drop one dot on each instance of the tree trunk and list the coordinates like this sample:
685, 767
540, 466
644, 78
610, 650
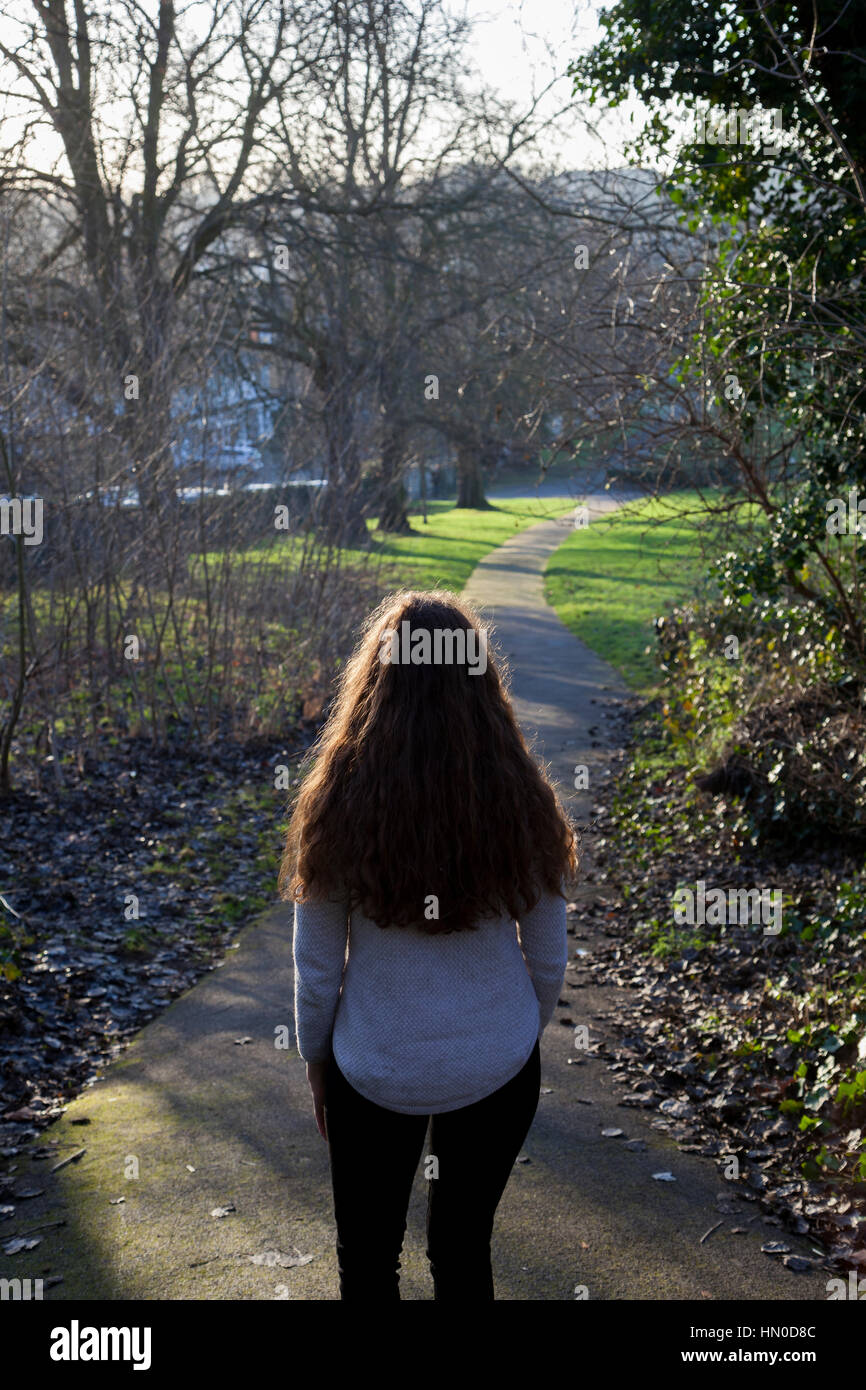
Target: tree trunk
470, 480
394, 515
342, 522
393, 504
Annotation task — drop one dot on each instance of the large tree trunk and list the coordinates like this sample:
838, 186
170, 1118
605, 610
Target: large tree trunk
342, 519
393, 511
394, 515
470, 479
393, 506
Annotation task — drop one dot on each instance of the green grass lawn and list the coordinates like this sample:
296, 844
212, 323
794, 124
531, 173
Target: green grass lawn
442, 552
610, 581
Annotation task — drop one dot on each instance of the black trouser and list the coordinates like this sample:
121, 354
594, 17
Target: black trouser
374, 1155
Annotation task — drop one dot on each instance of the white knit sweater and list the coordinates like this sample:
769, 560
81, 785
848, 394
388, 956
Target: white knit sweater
422, 1024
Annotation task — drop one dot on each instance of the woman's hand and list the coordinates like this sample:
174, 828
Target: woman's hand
316, 1073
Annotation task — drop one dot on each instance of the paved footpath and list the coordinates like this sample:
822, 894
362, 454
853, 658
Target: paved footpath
190, 1120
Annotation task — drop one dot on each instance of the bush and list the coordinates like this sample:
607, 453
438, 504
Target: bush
760, 701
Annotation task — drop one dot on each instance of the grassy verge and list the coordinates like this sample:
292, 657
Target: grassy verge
739, 777
609, 582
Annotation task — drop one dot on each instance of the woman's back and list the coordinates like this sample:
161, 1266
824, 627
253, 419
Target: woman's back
426, 1023
423, 978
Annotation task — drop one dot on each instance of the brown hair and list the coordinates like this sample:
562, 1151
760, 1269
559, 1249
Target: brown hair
423, 785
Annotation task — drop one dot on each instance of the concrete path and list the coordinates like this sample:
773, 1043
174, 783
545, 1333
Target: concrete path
192, 1120
553, 678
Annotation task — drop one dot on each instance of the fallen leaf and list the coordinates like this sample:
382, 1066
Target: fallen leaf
14, 1247
677, 1109
271, 1258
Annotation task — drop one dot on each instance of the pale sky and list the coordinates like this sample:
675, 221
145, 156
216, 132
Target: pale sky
520, 42
518, 46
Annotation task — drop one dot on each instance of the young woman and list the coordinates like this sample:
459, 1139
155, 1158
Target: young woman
427, 857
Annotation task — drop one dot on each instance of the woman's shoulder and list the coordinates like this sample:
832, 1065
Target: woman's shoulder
320, 899
544, 896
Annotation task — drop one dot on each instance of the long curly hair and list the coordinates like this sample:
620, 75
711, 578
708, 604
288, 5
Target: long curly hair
424, 806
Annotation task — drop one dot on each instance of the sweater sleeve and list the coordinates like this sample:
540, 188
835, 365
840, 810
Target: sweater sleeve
319, 950
544, 942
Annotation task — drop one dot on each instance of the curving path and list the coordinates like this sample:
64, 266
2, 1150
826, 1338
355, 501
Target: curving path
207, 1122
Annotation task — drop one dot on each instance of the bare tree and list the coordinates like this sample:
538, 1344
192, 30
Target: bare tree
145, 130
394, 170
